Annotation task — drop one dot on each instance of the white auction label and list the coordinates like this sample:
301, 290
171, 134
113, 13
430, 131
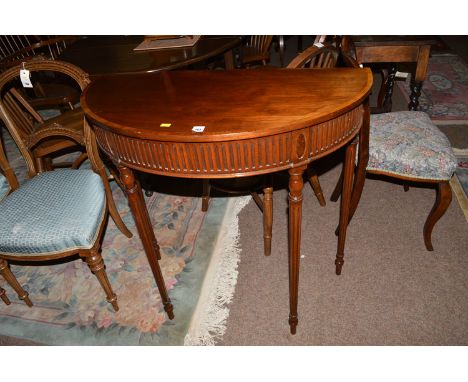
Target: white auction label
198, 129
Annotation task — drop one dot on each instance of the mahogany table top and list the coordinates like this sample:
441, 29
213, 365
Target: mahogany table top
232, 105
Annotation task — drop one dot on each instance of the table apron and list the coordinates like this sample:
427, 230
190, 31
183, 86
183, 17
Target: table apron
234, 158
372, 54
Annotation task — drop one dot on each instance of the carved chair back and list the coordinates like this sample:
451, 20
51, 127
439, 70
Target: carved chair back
6, 169
25, 124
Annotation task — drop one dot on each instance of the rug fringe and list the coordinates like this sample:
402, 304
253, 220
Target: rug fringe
210, 316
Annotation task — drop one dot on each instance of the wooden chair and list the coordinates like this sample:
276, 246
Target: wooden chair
407, 146
28, 128
55, 214
256, 50
49, 92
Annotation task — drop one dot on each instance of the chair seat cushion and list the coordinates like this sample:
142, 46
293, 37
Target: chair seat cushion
408, 144
56, 211
4, 187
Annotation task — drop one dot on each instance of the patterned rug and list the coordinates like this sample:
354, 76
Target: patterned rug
460, 181
444, 93
70, 306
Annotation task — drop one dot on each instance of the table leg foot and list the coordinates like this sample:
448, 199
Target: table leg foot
293, 321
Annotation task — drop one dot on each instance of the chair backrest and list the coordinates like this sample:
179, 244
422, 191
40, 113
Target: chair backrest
261, 43
14, 49
23, 121
317, 56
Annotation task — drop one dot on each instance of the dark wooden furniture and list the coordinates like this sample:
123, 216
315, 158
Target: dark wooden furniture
40, 140
393, 50
50, 92
255, 51
100, 55
413, 131
256, 122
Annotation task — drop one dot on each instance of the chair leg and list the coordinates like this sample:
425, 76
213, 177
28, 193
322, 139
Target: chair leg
337, 191
13, 282
443, 199
206, 194
315, 183
96, 264
114, 213
267, 219
406, 187
4, 297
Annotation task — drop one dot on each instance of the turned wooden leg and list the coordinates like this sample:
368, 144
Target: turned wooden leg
315, 184
96, 264
443, 199
414, 96
206, 194
229, 60
145, 230
4, 297
387, 102
296, 183
267, 218
348, 171
13, 282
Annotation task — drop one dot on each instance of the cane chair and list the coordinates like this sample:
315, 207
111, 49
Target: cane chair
34, 136
255, 51
55, 214
407, 146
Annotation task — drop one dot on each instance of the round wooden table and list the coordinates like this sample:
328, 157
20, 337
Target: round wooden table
102, 55
253, 122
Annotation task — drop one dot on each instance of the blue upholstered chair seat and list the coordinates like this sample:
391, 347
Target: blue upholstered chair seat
408, 144
4, 187
53, 212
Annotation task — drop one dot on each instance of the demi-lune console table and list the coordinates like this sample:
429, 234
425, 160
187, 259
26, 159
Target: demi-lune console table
226, 124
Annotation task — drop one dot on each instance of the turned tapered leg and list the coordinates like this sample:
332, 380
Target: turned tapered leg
145, 230
96, 264
13, 282
267, 218
348, 171
296, 184
315, 183
387, 103
206, 195
4, 297
443, 200
414, 96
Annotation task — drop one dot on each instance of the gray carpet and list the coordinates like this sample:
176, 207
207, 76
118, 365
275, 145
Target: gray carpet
391, 292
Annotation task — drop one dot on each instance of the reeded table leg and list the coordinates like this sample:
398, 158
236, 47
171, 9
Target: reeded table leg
267, 218
296, 183
145, 230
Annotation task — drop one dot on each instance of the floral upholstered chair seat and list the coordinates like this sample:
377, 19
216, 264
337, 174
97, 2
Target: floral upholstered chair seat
408, 144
